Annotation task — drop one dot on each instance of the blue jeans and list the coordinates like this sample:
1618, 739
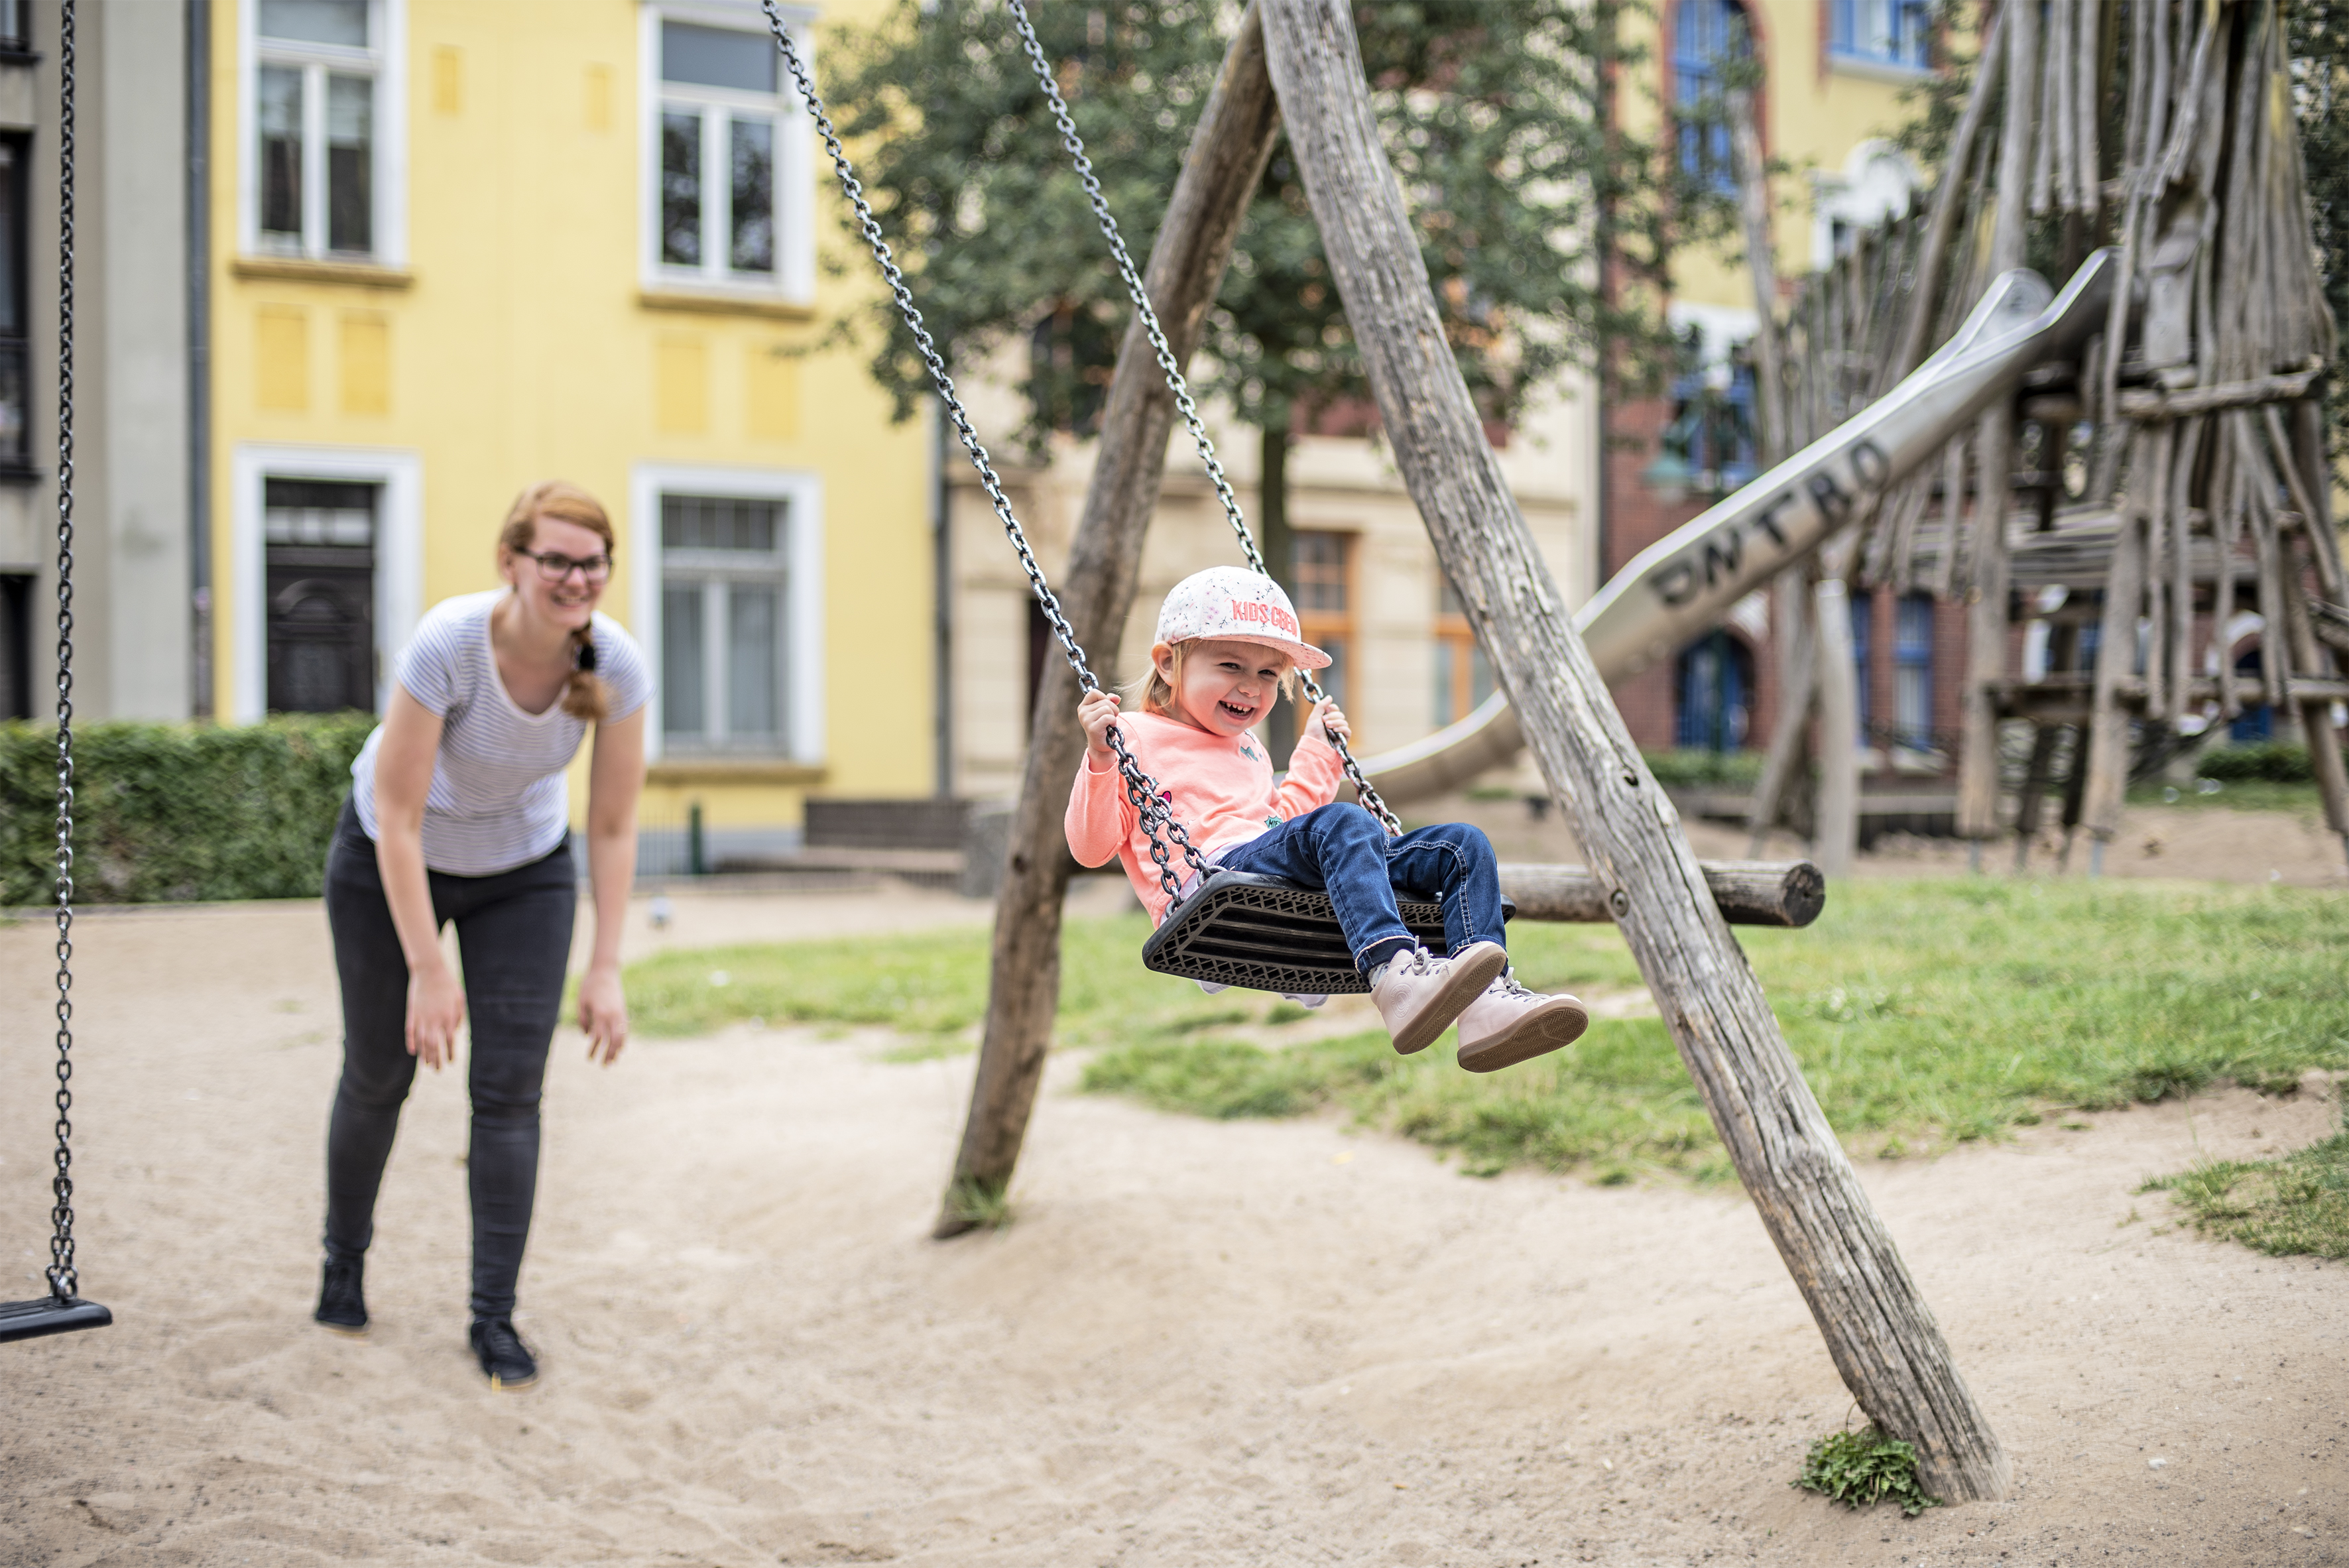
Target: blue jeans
1342, 849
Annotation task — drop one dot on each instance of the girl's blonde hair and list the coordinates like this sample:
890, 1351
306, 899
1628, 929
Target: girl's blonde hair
584, 694
1158, 691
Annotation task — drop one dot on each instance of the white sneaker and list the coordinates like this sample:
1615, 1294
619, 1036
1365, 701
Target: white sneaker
1419, 993
1508, 1025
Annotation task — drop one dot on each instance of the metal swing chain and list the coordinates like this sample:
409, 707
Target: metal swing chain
1150, 802
65, 1280
1175, 381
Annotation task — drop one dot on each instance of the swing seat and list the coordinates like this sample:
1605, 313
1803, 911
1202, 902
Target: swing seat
1268, 933
32, 1319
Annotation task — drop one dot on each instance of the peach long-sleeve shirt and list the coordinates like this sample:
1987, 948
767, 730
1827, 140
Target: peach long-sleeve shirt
1221, 790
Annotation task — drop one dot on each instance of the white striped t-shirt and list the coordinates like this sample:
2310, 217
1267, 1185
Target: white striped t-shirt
497, 799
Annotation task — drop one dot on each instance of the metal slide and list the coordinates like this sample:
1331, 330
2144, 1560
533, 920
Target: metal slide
1686, 582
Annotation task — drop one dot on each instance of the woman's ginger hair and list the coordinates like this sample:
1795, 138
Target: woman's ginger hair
584, 694
1158, 690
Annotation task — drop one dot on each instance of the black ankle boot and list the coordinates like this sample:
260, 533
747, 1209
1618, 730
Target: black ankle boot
505, 1360
342, 1300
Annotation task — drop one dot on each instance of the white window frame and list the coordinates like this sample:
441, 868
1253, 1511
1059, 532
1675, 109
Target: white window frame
386, 59
794, 280
398, 556
1851, 55
802, 493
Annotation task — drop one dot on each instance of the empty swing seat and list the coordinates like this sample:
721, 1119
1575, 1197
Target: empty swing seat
1266, 933
32, 1319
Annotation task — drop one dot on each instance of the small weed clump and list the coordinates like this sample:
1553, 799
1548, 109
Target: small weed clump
1862, 1468
2297, 1204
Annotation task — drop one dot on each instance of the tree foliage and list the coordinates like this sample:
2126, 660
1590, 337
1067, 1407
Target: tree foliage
1495, 117
2319, 43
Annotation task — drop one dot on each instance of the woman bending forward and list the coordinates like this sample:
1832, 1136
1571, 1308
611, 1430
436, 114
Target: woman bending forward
458, 814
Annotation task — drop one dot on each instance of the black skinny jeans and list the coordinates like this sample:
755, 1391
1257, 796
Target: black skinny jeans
513, 935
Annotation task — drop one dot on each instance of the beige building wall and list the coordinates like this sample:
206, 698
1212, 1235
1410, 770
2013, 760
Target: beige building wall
1337, 484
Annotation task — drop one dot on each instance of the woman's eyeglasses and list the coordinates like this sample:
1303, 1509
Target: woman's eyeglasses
554, 566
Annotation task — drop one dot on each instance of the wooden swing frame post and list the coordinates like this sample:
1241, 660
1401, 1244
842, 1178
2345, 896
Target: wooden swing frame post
1220, 173
1883, 1337
1296, 62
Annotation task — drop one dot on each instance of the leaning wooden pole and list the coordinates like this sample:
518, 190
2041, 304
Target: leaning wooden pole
1221, 172
1884, 1339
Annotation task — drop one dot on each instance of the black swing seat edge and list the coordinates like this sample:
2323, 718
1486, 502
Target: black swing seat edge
1268, 933
36, 1319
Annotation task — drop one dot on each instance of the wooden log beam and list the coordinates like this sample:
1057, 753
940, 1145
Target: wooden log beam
2148, 407
1226, 160
1883, 1337
1748, 892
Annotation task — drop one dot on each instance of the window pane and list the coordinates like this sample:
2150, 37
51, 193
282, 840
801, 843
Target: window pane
341, 22
1863, 625
1912, 699
685, 709
753, 631
752, 208
317, 511
1447, 665
281, 152
15, 450
12, 237
717, 58
1913, 636
720, 522
1320, 560
350, 163
680, 188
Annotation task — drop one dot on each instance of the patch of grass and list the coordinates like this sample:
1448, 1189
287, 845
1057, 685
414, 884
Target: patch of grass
2233, 795
1227, 1078
2295, 1204
974, 1206
1923, 1014
1862, 1468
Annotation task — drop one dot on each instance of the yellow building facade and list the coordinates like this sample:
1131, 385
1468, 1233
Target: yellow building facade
458, 247
1835, 72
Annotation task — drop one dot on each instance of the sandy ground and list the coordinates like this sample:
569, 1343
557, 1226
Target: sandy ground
1204, 1343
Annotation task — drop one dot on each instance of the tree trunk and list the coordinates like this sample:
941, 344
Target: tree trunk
1227, 159
1837, 836
1761, 267
1879, 1329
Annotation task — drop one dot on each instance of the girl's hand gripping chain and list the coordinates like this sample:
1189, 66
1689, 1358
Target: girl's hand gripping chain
1329, 722
1097, 713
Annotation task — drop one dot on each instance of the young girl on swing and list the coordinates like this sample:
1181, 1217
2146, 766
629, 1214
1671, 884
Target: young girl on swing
1228, 644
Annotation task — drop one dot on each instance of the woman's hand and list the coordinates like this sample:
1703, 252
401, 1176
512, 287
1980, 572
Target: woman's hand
1328, 721
436, 1009
1097, 712
603, 1013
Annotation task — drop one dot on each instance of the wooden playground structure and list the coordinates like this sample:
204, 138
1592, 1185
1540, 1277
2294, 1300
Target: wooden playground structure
2185, 163
2142, 514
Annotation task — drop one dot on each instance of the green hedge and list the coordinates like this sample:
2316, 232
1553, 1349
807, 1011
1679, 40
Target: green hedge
1685, 768
172, 812
2267, 761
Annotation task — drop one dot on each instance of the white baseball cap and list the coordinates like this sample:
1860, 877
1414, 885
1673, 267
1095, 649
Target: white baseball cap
1231, 601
